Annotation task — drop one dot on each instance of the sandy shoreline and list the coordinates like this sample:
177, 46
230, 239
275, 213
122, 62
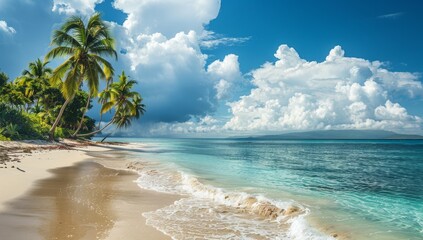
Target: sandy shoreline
70, 194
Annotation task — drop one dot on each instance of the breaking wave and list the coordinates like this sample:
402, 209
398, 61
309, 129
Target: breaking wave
206, 211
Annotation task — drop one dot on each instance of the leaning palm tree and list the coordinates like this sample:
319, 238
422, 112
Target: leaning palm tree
119, 93
84, 46
126, 103
103, 98
34, 80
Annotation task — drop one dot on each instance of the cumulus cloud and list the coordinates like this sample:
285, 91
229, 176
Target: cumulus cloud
338, 93
160, 43
167, 17
71, 7
172, 76
227, 75
6, 29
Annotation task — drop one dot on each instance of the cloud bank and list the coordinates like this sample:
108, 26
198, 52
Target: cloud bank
338, 93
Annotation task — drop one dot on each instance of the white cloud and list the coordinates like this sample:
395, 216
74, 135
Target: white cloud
70, 7
339, 93
6, 29
225, 41
211, 40
167, 17
161, 41
195, 126
171, 72
226, 73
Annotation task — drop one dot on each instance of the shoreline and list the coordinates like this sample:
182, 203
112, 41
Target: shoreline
35, 196
114, 176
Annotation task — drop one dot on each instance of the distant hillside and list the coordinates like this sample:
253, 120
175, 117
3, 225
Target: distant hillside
337, 134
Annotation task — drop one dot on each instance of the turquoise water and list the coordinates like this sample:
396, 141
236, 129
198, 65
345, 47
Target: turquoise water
356, 189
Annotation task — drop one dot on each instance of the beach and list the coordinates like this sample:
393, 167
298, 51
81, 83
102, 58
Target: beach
66, 192
211, 189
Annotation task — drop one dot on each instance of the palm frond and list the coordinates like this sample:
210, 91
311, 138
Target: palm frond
107, 107
61, 38
60, 52
91, 74
60, 71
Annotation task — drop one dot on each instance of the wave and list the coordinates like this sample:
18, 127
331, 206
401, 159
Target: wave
210, 212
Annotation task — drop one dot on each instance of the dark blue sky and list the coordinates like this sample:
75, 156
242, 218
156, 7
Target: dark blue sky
314, 27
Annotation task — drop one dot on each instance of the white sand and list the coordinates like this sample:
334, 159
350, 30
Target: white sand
128, 203
14, 183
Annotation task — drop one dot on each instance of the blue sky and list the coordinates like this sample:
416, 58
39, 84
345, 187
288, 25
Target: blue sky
230, 67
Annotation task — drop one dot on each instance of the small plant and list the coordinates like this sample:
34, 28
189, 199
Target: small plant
11, 131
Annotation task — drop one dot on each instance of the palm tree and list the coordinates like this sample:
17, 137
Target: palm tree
35, 80
127, 104
83, 45
11, 95
119, 94
103, 97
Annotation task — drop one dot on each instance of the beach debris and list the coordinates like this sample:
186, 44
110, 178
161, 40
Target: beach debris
20, 169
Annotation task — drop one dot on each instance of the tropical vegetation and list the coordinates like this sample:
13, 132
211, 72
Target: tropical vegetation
47, 103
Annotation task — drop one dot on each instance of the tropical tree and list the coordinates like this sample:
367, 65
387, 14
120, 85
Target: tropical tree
84, 45
103, 98
126, 103
11, 95
3, 79
35, 80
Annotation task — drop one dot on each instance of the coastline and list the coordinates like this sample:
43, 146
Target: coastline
45, 187
115, 190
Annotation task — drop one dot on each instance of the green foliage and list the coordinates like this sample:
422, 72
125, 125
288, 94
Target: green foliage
11, 130
83, 44
74, 112
3, 79
4, 138
39, 126
31, 103
34, 80
18, 125
12, 95
126, 103
62, 132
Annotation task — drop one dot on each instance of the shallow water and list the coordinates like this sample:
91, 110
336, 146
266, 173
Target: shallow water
247, 189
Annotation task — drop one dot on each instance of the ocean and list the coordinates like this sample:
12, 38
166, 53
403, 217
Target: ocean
308, 189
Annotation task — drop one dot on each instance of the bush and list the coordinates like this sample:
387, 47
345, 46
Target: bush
17, 125
3, 138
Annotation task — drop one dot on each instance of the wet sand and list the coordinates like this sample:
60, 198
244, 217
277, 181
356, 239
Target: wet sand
82, 201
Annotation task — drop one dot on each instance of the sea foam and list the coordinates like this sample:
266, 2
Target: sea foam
210, 212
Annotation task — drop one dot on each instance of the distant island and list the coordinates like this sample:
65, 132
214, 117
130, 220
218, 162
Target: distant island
336, 135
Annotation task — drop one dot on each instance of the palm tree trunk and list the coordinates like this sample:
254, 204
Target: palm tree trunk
56, 122
95, 132
102, 102
83, 115
102, 140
